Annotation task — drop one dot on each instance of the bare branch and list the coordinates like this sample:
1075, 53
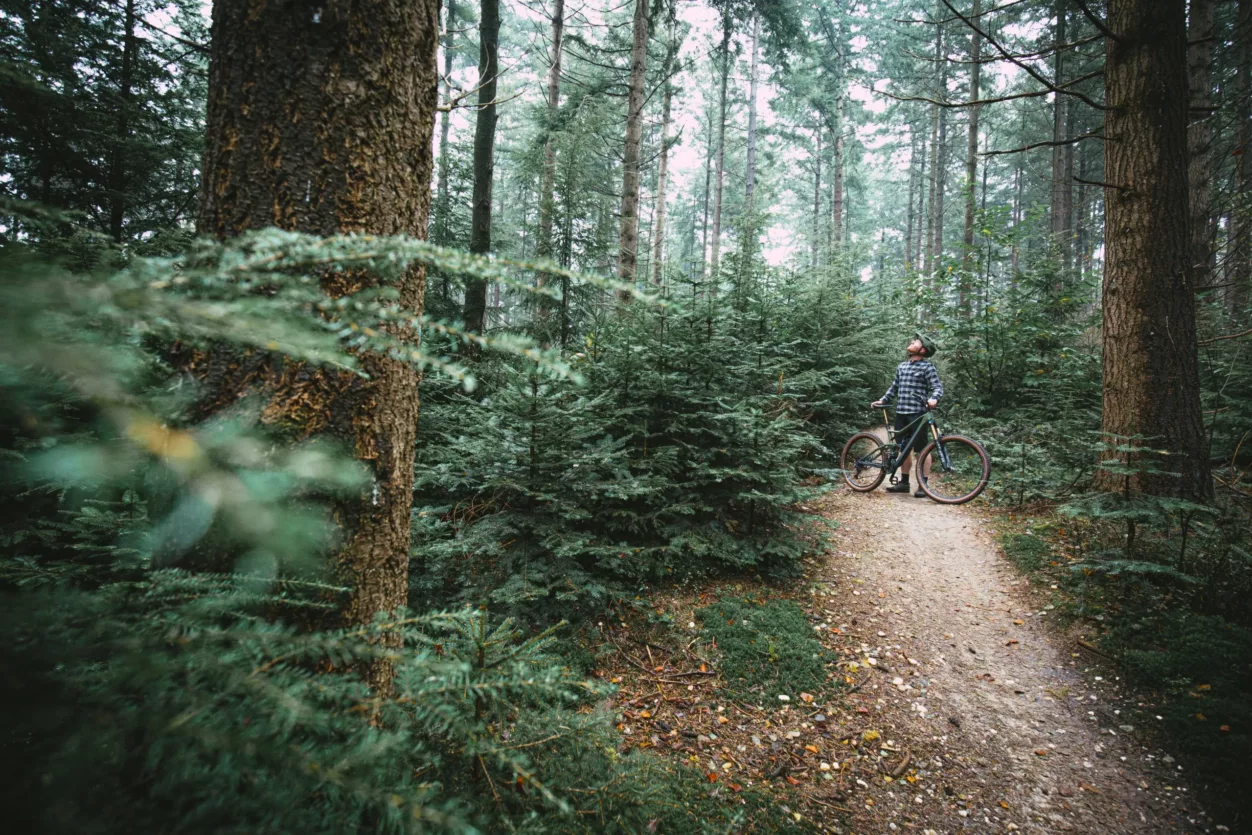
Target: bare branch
1101, 184
991, 60
1035, 74
950, 19
1049, 144
1099, 24
1032, 94
1239, 335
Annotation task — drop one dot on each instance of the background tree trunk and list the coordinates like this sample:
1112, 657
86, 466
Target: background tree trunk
1061, 183
720, 163
750, 172
443, 204
117, 162
546, 200
667, 101
484, 160
817, 194
1151, 382
836, 172
628, 249
1239, 251
971, 163
1199, 136
322, 123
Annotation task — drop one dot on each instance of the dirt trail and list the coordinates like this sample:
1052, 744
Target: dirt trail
1006, 730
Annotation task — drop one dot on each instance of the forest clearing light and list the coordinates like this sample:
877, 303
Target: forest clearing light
867, 273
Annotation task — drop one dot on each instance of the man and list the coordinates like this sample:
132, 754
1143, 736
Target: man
915, 389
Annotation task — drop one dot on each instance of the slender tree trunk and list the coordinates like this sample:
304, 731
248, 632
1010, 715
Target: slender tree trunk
443, 205
1239, 251
667, 100
629, 239
971, 165
750, 172
323, 124
1199, 137
908, 212
546, 201
836, 171
817, 195
708, 188
933, 184
1017, 213
1151, 379
484, 160
920, 249
1061, 183
117, 162
719, 168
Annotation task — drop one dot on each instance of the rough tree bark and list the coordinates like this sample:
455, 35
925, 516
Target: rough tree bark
484, 160
750, 172
1239, 250
1151, 380
628, 244
971, 163
1199, 136
320, 120
117, 155
720, 162
836, 172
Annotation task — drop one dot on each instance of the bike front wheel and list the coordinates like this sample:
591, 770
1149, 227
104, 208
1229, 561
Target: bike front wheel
864, 462
959, 469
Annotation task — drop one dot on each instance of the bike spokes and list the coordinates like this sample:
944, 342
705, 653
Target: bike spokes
959, 469
864, 462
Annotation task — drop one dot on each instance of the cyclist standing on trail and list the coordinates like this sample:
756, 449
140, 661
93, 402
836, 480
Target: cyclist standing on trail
915, 389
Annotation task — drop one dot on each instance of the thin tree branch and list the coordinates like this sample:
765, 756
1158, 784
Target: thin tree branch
1213, 339
991, 60
1095, 134
1099, 24
1032, 94
1102, 184
950, 19
1035, 74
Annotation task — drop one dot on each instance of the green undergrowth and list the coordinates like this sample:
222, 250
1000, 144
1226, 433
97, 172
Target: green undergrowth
1187, 660
767, 648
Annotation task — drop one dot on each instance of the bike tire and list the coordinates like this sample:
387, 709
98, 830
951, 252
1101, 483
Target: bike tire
877, 453
974, 479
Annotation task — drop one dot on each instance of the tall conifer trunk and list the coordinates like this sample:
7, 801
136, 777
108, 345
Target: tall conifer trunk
667, 102
628, 244
117, 161
443, 204
484, 159
718, 170
1199, 136
836, 172
546, 199
817, 194
1061, 183
971, 163
1239, 249
1151, 369
320, 120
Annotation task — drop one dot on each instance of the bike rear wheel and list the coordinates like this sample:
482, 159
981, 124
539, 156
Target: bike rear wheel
959, 469
864, 462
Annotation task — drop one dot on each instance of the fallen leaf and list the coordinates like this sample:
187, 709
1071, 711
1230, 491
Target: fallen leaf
812, 749
807, 698
1010, 642
793, 781
1088, 787
1003, 805
735, 787
1018, 622
1224, 728
647, 714
1042, 752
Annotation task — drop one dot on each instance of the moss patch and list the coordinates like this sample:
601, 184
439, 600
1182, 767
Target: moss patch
767, 648
1027, 551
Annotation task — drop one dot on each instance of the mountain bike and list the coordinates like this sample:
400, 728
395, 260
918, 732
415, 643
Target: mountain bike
959, 467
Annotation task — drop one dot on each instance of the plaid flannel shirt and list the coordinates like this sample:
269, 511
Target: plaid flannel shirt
915, 382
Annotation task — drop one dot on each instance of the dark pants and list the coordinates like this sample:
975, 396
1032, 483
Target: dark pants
906, 425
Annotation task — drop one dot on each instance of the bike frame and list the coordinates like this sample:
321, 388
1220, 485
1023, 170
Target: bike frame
927, 420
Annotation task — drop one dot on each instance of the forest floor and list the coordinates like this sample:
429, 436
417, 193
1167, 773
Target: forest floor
967, 708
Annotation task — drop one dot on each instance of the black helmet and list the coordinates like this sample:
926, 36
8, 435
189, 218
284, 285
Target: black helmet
928, 344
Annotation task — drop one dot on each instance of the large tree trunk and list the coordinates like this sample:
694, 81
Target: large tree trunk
719, 166
1061, 184
971, 164
1199, 136
117, 156
546, 201
443, 205
1151, 382
484, 160
628, 246
322, 123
